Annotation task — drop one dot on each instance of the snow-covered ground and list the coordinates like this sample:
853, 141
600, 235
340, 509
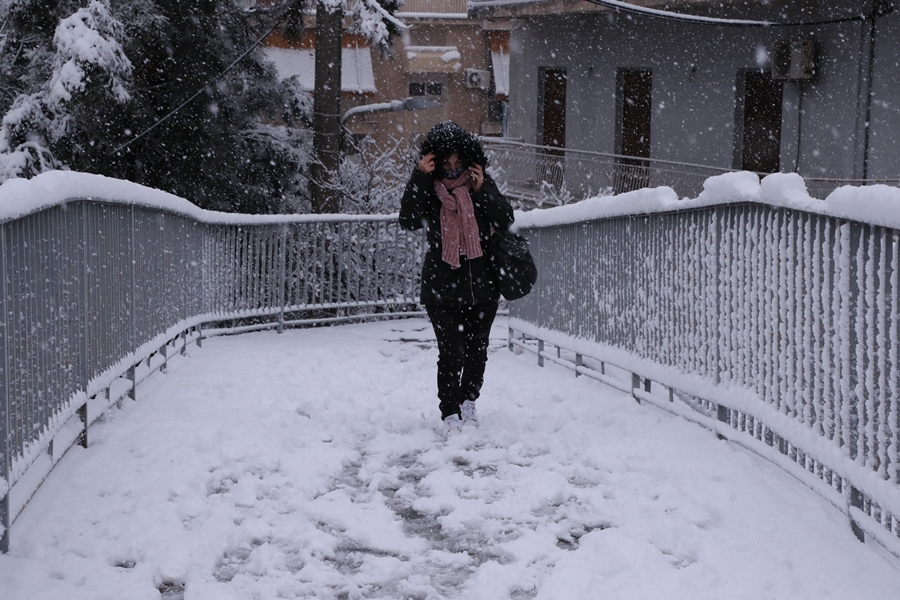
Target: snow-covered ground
311, 465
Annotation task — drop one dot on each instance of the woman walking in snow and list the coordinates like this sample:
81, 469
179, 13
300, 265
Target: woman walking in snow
458, 204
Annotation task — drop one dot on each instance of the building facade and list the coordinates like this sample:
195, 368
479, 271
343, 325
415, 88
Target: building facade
442, 56
795, 86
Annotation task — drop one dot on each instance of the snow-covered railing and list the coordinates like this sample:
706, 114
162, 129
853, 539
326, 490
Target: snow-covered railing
765, 315
103, 280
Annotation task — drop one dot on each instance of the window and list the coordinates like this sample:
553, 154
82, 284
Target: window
426, 88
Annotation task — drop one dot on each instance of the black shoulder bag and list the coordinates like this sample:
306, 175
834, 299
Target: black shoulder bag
514, 268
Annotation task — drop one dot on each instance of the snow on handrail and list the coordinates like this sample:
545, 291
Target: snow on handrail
21, 197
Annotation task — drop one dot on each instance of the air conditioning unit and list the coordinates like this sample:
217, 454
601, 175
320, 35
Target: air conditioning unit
795, 61
477, 79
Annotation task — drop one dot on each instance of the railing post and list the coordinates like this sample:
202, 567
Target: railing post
83, 417
856, 501
132, 393
84, 345
723, 413
164, 350
132, 376
282, 259
6, 459
579, 360
540, 353
635, 384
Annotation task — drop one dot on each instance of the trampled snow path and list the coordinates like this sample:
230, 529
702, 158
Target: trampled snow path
310, 465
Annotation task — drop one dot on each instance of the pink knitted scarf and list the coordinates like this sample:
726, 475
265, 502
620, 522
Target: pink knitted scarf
459, 229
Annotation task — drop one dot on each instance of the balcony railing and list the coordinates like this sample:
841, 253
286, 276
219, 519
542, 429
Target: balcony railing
458, 7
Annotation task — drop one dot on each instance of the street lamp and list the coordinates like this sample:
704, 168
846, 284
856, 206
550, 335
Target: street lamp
392, 106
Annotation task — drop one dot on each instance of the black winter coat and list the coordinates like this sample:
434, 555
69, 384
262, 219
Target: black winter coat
472, 282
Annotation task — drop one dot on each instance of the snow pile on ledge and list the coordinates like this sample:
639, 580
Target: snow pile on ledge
875, 204
20, 197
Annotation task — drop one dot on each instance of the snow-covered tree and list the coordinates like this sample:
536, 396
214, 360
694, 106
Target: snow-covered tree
173, 94
88, 70
375, 20
372, 180
161, 92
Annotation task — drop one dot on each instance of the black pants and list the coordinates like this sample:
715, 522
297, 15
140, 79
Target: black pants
462, 334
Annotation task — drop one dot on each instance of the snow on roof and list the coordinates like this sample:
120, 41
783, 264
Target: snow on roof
433, 59
356, 67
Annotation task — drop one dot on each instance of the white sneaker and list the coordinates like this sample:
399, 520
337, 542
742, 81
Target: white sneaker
452, 426
469, 414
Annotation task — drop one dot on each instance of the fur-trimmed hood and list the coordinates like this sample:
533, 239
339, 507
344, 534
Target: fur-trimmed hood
446, 138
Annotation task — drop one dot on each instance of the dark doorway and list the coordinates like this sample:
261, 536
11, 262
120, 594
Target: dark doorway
760, 139
553, 107
633, 113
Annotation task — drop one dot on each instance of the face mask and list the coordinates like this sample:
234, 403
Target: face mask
454, 174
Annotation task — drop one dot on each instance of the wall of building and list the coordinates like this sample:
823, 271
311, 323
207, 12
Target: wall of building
695, 70
468, 107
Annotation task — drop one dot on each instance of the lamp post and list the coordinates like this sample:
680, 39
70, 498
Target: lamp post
392, 106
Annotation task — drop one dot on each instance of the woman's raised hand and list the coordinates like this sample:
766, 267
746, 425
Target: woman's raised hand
426, 165
476, 173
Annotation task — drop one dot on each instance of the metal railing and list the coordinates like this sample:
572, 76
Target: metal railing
435, 6
95, 296
541, 176
783, 325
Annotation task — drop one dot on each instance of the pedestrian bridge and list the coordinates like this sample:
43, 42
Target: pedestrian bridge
311, 465
768, 319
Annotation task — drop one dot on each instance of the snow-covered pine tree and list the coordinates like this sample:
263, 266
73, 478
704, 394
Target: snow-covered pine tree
88, 65
373, 178
220, 149
81, 82
98, 86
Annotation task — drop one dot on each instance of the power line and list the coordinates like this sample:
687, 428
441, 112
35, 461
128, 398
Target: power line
172, 112
879, 8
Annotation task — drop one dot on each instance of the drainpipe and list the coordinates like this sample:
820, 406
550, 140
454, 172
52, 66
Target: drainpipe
880, 8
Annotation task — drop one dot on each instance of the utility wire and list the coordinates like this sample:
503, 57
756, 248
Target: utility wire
172, 112
879, 8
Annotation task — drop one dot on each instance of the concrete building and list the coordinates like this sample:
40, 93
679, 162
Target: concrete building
808, 86
443, 56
